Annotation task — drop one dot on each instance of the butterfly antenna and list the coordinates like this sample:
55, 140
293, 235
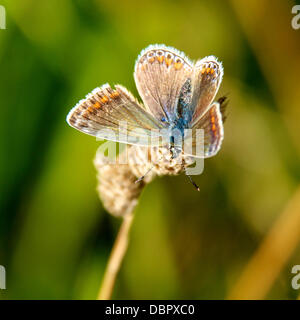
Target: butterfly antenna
153, 165
143, 176
192, 181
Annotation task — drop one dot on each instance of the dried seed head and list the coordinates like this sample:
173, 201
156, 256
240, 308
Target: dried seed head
141, 164
116, 186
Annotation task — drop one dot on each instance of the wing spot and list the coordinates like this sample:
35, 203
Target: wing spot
82, 125
114, 95
207, 70
104, 99
91, 100
143, 58
160, 58
169, 62
150, 56
210, 68
97, 105
72, 120
213, 123
169, 59
178, 65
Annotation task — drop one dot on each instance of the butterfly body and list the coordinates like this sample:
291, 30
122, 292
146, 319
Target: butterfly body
177, 97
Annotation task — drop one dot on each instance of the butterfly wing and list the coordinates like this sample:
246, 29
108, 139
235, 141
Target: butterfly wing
212, 125
160, 73
115, 115
169, 84
208, 74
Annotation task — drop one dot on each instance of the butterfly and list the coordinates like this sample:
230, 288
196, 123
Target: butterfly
177, 97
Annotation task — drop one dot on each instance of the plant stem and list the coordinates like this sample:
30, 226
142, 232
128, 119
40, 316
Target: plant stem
116, 258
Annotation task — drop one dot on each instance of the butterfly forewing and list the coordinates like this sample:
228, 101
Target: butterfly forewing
160, 73
114, 114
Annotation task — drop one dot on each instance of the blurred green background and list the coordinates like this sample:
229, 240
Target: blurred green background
238, 238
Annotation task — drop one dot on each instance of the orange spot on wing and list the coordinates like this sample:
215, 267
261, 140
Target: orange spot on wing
104, 99
178, 65
151, 59
207, 70
160, 58
168, 62
212, 70
213, 122
90, 109
97, 105
115, 95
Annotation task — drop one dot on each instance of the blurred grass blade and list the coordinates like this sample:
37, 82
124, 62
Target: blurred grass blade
267, 262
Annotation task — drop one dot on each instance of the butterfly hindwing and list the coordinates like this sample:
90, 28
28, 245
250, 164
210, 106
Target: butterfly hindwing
208, 74
212, 124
